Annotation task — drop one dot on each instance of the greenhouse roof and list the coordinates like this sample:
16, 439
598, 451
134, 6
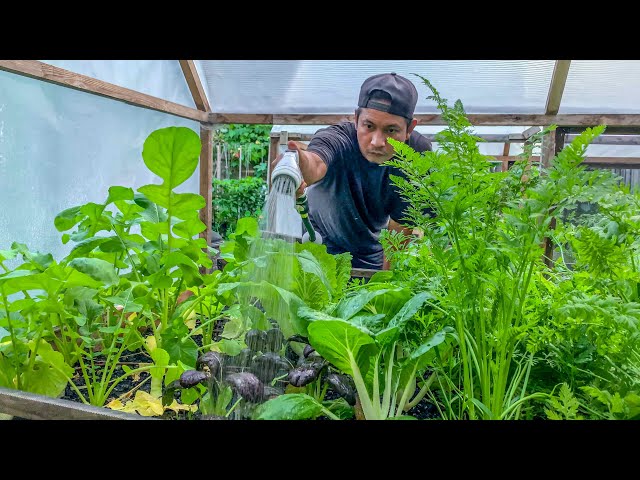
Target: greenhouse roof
567, 93
483, 86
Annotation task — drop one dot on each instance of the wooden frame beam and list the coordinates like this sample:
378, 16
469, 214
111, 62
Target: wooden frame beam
59, 76
195, 86
608, 162
33, 406
626, 121
556, 88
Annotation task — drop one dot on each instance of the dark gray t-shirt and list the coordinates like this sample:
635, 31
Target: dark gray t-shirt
356, 198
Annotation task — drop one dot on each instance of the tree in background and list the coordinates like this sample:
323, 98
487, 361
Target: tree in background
234, 197
249, 141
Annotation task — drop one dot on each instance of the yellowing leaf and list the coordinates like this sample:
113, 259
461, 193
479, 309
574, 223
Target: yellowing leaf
148, 406
176, 407
190, 320
151, 343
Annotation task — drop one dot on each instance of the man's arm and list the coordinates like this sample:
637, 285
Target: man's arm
311, 165
395, 226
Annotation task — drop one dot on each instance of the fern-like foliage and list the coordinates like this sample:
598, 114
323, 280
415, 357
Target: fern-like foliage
481, 257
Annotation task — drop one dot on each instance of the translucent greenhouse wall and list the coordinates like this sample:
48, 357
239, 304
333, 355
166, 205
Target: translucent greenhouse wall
60, 148
160, 78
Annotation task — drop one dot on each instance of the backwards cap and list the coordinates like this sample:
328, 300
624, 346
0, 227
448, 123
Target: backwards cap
402, 92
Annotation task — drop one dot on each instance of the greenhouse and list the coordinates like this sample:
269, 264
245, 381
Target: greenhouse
162, 259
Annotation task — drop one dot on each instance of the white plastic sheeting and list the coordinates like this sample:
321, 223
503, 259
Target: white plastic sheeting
332, 86
160, 78
602, 86
483, 86
61, 148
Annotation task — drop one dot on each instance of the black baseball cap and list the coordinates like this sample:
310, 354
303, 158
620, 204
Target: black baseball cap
402, 92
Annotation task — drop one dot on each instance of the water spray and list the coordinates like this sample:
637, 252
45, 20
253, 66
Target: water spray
289, 167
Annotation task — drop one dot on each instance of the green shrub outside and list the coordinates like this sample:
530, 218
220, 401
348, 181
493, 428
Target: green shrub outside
235, 198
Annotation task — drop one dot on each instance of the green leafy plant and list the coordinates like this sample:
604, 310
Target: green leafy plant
234, 199
249, 141
482, 258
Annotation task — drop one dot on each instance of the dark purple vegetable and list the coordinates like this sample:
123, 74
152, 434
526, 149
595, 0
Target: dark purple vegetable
269, 365
298, 338
343, 385
247, 385
306, 373
308, 349
256, 340
212, 360
191, 378
274, 340
240, 361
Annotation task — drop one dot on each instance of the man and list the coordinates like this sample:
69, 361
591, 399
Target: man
351, 197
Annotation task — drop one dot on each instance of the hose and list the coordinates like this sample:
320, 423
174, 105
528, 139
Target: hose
302, 205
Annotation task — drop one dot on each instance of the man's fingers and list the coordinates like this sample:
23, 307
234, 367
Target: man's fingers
300, 190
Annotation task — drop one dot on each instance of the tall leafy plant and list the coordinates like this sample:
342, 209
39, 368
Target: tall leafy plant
481, 256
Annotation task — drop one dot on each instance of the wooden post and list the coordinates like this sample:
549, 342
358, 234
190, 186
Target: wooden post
206, 178
552, 143
219, 162
505, 153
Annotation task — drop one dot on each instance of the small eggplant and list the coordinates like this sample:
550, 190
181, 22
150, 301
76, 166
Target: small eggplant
212, 360
274, 340
247, 385
343, 386
256, 340
308, 349
191, 378
269, 365
306, 373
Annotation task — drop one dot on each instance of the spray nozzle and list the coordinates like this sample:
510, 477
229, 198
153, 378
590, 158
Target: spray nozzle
288, 166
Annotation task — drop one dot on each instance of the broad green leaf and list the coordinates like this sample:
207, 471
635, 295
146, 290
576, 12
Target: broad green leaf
177, 258
7, 255
172, 153
87, 245
349, 306
189, 228
97, 269
185, 205
50, 374
41, 261
248, 225
117, 193
310, 264
67, 218
183, 349
289, 406
410, 308
339, 342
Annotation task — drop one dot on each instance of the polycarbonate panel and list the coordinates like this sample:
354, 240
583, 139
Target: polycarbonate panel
332, 86
602, 86
60, 148
161, 78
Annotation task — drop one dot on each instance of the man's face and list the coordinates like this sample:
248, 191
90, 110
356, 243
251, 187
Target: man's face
374, 127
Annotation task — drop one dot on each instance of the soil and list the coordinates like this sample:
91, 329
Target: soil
127, 387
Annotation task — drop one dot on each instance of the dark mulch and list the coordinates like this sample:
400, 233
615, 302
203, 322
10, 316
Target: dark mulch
126, 388
130, 359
